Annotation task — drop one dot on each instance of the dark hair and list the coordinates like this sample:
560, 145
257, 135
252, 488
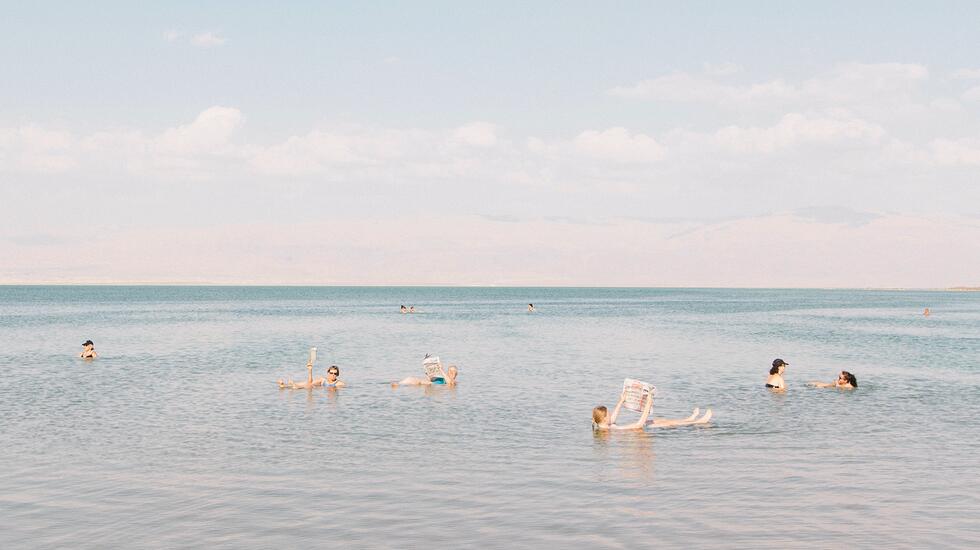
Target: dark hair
334, 367
851, 379
774, 369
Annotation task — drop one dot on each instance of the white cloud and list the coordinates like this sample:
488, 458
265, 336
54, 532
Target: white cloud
477, 134
846, 83
966, 74
619, 145
208, 134
973, 94
956, 152
798, 129
208, 39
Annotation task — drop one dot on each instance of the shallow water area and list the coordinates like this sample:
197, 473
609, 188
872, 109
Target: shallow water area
177, 435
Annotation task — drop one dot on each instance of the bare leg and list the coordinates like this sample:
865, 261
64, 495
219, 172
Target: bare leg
412, 381
668, 423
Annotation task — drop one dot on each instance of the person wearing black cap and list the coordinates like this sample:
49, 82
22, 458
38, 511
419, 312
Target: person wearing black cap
88, 350
775, 380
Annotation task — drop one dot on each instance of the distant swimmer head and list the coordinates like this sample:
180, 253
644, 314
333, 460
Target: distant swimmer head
333, 372
599, 415
847, 378
87, 343
451, 372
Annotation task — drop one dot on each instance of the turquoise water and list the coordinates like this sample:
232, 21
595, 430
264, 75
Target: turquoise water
178, 437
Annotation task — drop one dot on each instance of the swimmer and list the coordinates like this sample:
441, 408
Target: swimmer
845, 381
411, 309
926, 312
333, 378
449, 380
601, 420
775, 380
404, 309
88, 350
331, 381
530, 307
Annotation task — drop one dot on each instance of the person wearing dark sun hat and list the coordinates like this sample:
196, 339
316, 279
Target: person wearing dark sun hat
88, 350
775, 381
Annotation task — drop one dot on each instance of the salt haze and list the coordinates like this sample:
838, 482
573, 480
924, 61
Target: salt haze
335, 146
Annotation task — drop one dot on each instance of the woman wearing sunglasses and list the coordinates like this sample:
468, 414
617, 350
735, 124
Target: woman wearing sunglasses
331, 381
845, 381
601, 420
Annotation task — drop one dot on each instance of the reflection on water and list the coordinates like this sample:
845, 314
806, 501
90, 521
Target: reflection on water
177, 436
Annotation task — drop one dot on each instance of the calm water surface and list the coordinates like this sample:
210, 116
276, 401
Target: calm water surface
178, 437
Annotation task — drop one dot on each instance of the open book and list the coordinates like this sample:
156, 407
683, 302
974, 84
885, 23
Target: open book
637, 393
433, 368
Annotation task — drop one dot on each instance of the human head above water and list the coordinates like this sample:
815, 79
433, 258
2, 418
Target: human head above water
776, 363
599, 414
334, 370
849, 378
87, 343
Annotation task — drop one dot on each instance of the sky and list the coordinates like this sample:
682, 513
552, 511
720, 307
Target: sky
722, 144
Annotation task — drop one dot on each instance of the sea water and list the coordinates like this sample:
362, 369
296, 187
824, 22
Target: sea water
178, 436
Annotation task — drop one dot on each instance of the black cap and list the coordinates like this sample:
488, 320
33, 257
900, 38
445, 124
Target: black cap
779, 363
88, 343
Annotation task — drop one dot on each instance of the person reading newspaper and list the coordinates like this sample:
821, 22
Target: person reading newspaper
434, 375
638, 396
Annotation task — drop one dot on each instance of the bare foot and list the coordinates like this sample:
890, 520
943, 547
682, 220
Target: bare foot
706, 418
694, 414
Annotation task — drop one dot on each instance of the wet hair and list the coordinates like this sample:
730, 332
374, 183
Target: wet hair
774, 369
599, 414
334, 368
851, 379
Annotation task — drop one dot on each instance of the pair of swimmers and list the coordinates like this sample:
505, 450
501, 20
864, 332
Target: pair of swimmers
775, 382
404, 309
332, 379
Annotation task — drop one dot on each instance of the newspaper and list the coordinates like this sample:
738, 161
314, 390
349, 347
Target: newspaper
433, 368
637, 393
312, 355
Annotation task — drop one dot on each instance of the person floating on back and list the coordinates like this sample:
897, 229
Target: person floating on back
434, 375
332, 379
602, 420
775, 381
845, 381
88, 350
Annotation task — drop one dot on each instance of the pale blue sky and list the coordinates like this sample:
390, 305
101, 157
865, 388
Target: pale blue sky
184, 117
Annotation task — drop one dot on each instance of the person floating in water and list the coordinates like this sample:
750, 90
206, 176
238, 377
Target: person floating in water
845, 381
404, 309
775, 380
926, 312
411, 309
88, 350
448, 380
331, 381
602, 420
530, 307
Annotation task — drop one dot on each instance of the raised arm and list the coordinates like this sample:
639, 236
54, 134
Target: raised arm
615, 413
